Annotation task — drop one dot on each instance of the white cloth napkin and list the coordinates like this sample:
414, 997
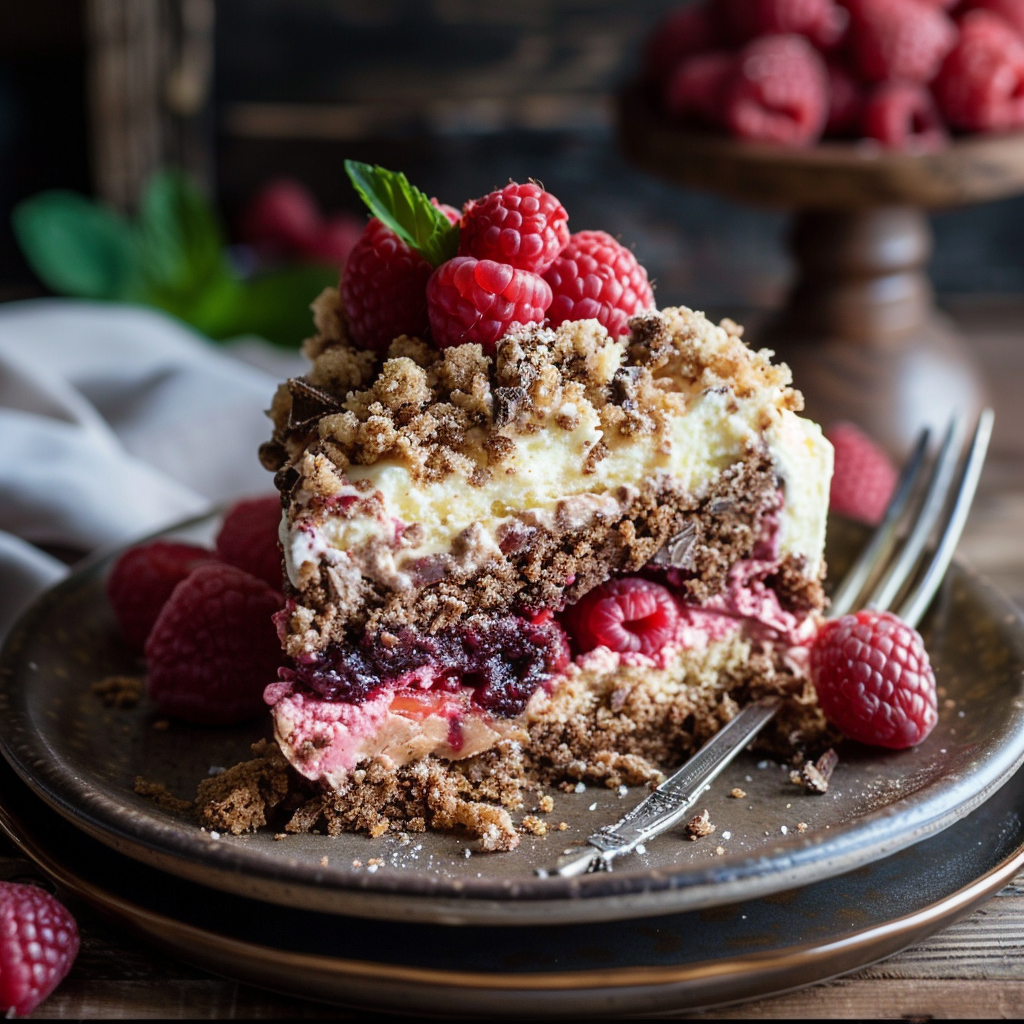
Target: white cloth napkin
116, 421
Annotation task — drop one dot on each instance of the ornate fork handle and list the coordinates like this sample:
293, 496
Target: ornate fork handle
667, 805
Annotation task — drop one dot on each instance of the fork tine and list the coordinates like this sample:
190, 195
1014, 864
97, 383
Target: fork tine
853, 582
935, 499
917, 601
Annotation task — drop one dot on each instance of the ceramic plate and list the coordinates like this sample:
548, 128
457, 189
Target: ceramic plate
668, 963
82, 758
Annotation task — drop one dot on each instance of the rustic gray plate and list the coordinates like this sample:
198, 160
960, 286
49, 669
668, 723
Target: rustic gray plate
667, 963
83, 758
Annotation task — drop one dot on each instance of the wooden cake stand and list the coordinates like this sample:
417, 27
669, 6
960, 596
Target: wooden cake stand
860, 328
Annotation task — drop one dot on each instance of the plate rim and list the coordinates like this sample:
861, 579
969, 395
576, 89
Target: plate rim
604, 896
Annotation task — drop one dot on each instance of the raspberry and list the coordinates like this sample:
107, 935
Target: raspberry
334, 240
383, 289
214, 647
248, 538
283, 214
902, 40
471, 300
845, 101
778, 92
521, 225
142, 579
626, 615
1011, 11
874, 680
38, 944
863, 479
822, 21
903, 115
980, 86
597, 278
682, 33
694, 88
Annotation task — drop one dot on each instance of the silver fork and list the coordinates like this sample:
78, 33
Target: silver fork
930, 499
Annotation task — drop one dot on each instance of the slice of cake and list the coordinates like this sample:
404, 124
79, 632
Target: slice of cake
573, 557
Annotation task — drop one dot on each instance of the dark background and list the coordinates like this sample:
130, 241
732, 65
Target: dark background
460, 94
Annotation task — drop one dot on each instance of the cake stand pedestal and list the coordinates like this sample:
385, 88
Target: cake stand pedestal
860, 328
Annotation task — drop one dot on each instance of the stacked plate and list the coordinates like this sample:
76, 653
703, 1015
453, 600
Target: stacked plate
769, 901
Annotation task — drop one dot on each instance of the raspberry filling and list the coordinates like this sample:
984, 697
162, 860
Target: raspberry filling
503, 660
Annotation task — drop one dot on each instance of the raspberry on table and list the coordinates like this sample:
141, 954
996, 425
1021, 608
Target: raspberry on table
980, 86
822, 21
778, 92
874, 680
682, 33
142, 580
903, 115
694, 88
248, 538
383, 289
38, 944
899, 40
597, 278
214, 647
471, 300
863, 477
283, 213
626, 615
521, 225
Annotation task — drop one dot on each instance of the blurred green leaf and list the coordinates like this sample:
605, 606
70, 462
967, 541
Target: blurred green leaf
406, 210
273, 305
78, 247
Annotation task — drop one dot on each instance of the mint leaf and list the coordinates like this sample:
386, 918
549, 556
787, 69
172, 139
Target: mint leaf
77, 247
406, 210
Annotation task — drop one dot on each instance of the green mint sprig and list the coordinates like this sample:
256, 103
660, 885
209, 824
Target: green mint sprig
406, 210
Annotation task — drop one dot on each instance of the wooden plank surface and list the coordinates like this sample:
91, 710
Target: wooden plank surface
975, 968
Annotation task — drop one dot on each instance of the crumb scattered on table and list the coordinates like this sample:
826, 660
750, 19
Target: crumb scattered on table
162, 796
736, 793
700, 825
119, 691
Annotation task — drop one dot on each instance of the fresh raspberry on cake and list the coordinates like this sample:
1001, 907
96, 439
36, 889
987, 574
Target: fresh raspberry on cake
629, 615
903, 115
596, 278
521, 225
980, 86
874, 680
142, 580
214, 647
778, 92
682, 33
863, 479
471, 300
384, 289
38, 944
1011, 11
822, 21
899, 40
846, 96
694, 88
248, 538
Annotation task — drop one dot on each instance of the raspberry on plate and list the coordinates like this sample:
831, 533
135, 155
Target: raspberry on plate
903, 115
383, 288
38, 944
874, 681
471, 300
214, 647
694, 88
521, 225
904, 40
863, 478
681, 33
778, 92
597, 278
248, 538
142, 580
980, 86
627, 615
822, 21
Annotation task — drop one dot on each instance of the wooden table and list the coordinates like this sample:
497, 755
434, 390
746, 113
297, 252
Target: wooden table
975, 968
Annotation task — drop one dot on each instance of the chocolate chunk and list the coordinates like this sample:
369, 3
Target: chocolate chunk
309, 403
677, 550
508, 404
814, 776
